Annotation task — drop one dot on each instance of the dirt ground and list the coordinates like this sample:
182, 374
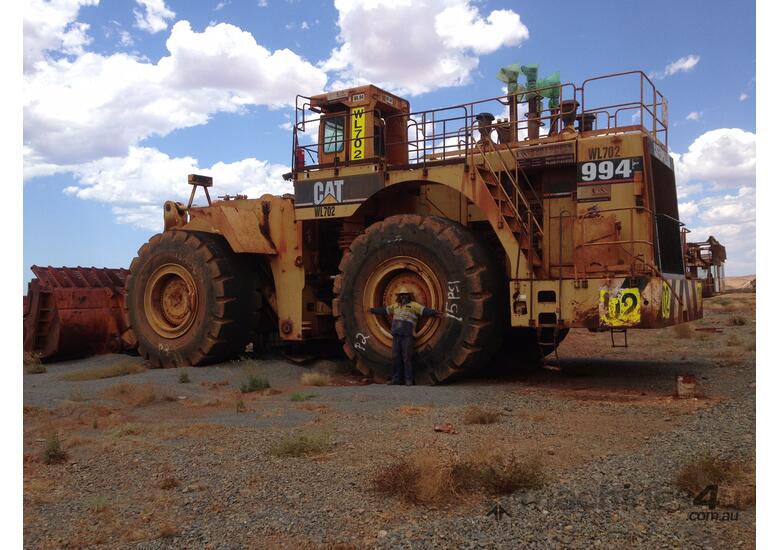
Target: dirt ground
152, 460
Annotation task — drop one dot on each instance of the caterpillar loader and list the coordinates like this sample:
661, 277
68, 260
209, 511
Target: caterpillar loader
550, 207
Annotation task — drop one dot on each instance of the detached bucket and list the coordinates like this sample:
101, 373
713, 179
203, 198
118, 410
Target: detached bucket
686, 386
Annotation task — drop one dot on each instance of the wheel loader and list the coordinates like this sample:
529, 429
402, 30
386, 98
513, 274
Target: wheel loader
549, 207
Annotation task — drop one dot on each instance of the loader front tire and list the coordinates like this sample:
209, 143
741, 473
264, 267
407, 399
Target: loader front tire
448, 270
188, 300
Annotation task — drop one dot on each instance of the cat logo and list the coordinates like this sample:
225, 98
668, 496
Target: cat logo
327, 192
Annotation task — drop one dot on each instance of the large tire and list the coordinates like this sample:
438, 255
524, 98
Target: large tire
189, 302
448, 269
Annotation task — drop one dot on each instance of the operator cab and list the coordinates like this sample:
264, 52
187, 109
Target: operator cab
359, 124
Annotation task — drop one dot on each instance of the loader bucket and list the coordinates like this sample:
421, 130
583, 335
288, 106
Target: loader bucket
76, 311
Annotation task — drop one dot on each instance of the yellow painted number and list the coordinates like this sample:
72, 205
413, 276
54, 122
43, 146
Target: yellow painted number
358, 137
622, 309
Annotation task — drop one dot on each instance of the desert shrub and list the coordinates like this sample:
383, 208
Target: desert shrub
302, 396
136, 395
53, 453
184, 378
431, 477
254, 383
240, 406
479, 415
315, 378
737, 321
301, 444
36, 368
735, 479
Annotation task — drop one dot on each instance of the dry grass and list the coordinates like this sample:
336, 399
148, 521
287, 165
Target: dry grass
167, 530
315, 378
137, 395
53, 453
479, 415
98, 373
302, 444
735, 480
302, 396
737, 321
682, 331
31, 359
426, 477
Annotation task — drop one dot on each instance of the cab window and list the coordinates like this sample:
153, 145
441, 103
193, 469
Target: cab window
333, 135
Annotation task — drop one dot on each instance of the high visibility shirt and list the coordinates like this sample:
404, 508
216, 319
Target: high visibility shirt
404, 316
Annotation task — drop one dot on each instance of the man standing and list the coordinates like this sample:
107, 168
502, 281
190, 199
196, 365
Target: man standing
405, 313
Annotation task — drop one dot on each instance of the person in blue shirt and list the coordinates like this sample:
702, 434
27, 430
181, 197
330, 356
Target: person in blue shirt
405, 313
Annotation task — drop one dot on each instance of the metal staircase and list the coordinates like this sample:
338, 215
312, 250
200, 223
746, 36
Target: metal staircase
521, 211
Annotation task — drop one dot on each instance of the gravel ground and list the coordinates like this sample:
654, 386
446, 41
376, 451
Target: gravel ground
610, 433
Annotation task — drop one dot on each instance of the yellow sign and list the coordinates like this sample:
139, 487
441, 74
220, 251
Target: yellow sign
698, 293
666, 301
358, 137
622, 309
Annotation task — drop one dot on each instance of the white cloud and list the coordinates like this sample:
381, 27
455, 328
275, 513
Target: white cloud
684, 64
262, 3
743, 96
101, 105
52, 26
137, 185
717, 177
125, 38
694, 115
414, 47
304, 26
720, 159
154, 15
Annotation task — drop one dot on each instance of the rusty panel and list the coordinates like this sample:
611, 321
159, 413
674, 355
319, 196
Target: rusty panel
75, 311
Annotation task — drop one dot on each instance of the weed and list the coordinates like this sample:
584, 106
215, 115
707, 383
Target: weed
478, 415
737, 321
120, 369
254, 383
97, 504
431, 477
31, 359
733, 340
168, 482
168, 530
53, 453
36, 368
184, 378
123, 430
722, 301
314, 378
683, 330
736, 486
301, 444
240, 406
134, 394
302, 396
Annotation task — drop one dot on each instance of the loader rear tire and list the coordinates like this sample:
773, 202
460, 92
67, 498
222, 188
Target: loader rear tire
189, 300
448, 269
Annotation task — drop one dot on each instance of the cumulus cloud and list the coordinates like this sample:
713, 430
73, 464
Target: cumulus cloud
153, 16
717, 177
137, 185
52, 26
414, 47
101, 105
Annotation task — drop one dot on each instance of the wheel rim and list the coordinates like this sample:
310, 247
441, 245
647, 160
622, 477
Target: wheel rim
381, 289
171, 300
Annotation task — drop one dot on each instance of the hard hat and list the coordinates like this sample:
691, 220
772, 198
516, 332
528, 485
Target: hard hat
404, 290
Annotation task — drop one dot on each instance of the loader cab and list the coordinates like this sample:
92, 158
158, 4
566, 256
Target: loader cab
362, 124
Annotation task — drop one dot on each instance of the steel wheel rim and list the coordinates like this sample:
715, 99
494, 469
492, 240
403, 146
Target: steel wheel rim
171, 300
382, 285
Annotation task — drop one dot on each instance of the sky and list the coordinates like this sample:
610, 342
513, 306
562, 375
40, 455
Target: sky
123, 99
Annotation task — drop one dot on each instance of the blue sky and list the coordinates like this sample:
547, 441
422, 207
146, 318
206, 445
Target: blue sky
122, 99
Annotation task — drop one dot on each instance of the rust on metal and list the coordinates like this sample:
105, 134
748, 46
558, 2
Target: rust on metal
71, 311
